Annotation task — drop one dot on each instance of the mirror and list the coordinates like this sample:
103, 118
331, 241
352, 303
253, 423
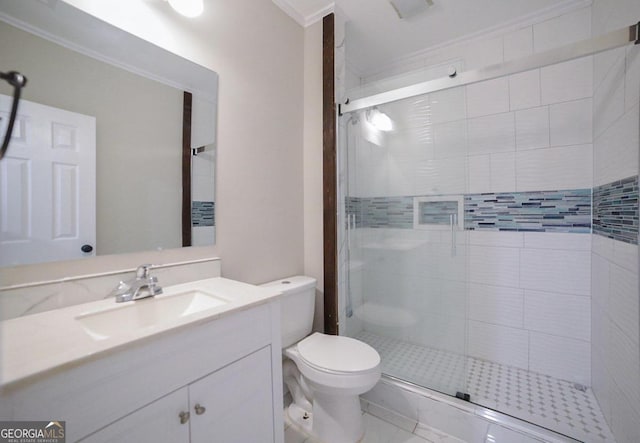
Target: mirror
85, 72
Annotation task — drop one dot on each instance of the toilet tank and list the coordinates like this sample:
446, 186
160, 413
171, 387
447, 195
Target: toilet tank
297, 306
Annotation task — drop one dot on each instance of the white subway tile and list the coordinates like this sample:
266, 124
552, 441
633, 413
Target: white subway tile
413, 112
478, 53
441, 176
532, 128
401, 175
567, 81
518, 44
563, 30
492, 133
202, 188
452, 266
494, 266
600, 282
624, 363
571, 123
496, 305
616, 150
560, 357
600, 383
488, 97
603, 62
624, 303
439, 332
602, 246
524, 90
567, 167
609, 98
503, 172
448, 105
505, 239
625, 255
600, 333
624, 417
557, 240
566, 272
479, 174
558, 314
450, 139
509, 346
632, 78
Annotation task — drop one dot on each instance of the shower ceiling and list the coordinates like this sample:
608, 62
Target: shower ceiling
377, 36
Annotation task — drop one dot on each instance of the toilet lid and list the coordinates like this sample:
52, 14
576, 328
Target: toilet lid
335, 353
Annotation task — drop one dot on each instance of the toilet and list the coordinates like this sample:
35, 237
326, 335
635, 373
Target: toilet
325, 374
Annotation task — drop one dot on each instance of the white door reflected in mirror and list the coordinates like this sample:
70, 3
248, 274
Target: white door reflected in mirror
48, 186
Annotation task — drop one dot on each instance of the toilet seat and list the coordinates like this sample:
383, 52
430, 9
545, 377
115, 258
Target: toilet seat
337, 354
338, 365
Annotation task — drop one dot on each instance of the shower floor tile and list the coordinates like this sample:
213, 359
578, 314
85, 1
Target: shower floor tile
543, 400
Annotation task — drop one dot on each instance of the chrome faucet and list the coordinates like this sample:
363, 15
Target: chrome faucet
143, 286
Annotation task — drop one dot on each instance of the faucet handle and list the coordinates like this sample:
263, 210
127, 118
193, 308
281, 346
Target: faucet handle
143, 271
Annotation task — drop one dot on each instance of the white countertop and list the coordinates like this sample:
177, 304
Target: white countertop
37, 344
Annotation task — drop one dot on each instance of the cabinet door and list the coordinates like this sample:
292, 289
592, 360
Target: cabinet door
157, 422
237, 402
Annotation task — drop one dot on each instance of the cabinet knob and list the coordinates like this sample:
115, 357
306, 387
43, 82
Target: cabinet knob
199, 409
184, 417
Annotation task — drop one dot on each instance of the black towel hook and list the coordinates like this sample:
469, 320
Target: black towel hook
18, 81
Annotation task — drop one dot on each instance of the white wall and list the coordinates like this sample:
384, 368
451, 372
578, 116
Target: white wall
312, 166
258, 52
615, 304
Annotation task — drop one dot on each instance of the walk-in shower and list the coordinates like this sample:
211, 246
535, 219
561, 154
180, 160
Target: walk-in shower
466, 248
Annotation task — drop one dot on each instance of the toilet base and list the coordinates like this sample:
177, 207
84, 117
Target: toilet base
301, 418
333, 420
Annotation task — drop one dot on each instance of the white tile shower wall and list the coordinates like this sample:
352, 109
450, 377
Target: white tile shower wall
525, 291
563, 30
526, 132
521, 291
615, 305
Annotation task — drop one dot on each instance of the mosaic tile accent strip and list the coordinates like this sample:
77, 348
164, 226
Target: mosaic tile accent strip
203, 213
615, 210
437, 213
541, 399
544, 211
381, 212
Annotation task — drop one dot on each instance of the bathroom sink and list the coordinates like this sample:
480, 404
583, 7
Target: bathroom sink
136, 315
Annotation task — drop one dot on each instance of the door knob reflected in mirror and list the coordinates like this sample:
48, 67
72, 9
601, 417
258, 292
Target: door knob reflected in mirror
184, 417
199, 409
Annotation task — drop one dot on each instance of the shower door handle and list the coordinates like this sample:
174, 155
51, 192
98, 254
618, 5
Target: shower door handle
453, 221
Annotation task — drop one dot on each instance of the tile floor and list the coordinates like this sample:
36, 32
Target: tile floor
543, 400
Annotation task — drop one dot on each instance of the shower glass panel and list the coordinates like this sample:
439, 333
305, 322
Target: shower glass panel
404, 176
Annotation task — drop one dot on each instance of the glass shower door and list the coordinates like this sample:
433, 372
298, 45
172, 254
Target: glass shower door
405, 266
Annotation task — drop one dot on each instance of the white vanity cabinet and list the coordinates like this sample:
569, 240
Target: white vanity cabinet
226, 406
157, 422
225, 373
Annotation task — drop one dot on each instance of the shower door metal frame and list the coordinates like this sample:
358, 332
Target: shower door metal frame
612, 40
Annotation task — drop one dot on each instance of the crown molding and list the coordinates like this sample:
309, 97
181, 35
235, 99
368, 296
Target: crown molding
302, 19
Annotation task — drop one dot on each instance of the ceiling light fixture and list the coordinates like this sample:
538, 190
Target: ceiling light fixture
188, 8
